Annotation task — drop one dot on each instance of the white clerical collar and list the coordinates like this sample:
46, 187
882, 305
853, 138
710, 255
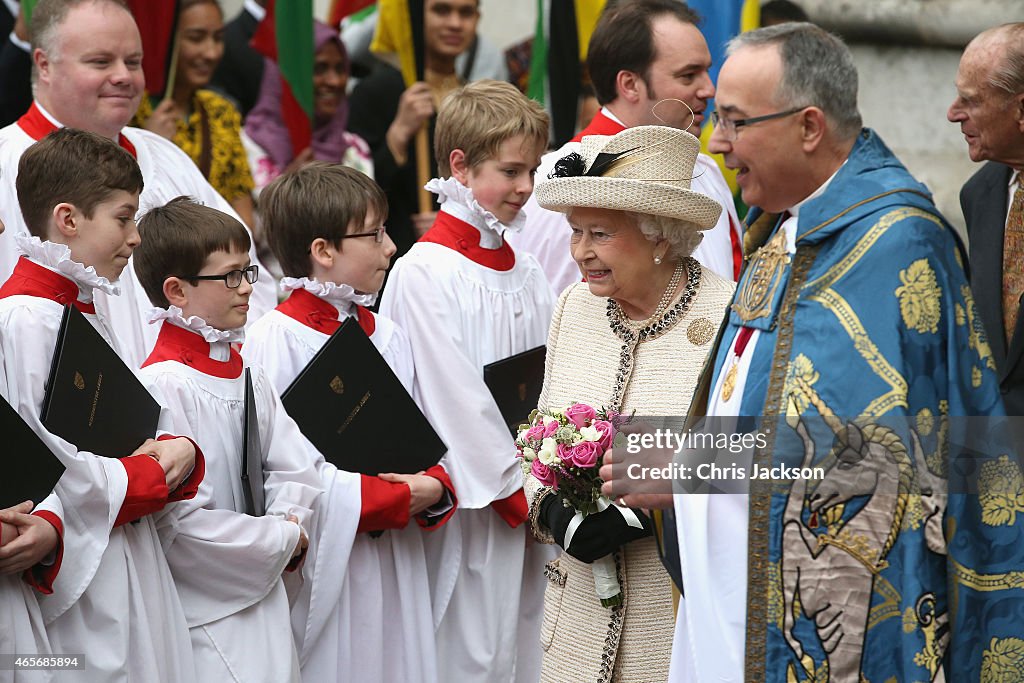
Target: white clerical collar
790, 224
220, 340
343, 297
608, 113
57, 257
457, 199
253, 8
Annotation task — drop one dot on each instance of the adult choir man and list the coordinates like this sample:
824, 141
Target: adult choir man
87, 74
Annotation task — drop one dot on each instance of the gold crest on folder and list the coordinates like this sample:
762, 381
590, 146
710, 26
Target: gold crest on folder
79, 381
337, 386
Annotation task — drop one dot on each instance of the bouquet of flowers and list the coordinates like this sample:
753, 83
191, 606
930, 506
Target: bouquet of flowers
565, 450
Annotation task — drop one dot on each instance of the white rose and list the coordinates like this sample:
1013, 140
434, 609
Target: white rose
529, 455
548, 454
548, 420
590, 433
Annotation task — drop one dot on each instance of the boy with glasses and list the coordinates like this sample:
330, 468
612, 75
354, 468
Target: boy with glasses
325, 225
227, 564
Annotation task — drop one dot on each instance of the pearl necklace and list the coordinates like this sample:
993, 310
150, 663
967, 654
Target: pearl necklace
666, 298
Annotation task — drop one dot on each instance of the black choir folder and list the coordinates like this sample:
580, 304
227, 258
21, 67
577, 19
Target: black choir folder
515, 383
351, 406
38, 468
92, 399
252, 455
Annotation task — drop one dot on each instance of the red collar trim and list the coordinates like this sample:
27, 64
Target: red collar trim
600, 125
449, 231
320, 315
31, 279
189, 348
37, 127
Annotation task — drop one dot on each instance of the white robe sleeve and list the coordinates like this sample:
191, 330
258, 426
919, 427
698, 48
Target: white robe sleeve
715, 250
450, 388
222, 561
92, 488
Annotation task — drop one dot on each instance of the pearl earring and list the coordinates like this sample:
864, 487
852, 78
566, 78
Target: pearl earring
657, 260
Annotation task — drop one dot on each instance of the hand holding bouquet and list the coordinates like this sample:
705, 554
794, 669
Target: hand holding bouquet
565, 450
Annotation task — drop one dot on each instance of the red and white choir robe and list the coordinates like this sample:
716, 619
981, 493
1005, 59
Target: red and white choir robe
168, 173
227, 565
547, 232
22, 630
466, 300
377, 624
113, 599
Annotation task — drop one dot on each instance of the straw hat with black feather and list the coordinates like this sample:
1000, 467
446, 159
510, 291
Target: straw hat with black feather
644, 169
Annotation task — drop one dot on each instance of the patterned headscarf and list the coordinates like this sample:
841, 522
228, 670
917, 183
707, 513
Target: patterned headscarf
266, 127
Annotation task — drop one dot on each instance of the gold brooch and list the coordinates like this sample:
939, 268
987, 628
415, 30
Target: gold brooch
700, 331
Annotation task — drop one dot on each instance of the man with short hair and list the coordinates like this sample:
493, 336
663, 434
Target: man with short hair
989, 107
87, 74
649, 66
852, 333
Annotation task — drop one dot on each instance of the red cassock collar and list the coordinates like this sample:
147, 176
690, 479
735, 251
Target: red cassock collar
37, 127
189, 348
601, 124
449, 231
31, 279
320, 315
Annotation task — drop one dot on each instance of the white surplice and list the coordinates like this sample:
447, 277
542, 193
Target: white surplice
227, 565
461, 315
546, 234
372, 622
168, 173
113, 599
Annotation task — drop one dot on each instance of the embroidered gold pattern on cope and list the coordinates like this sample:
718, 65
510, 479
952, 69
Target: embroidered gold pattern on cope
755, 296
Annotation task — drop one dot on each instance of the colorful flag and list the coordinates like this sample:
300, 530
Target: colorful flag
26, 9
344, 8
158, 25
286, 36
399, 36
561, 38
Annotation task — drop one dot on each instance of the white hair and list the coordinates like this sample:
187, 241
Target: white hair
683, 236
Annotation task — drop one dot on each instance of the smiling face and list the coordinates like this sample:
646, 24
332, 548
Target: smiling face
107, 239
221, 307
679, 71
991, 119
613, 255
502, 183
330, 77
449, 27
772, 171
200, 44
359, 262
92, 79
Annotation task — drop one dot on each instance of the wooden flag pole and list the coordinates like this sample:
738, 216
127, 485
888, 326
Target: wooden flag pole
426, 202
172, 68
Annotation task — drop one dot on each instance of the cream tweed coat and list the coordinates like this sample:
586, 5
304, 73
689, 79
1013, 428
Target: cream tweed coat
583, 641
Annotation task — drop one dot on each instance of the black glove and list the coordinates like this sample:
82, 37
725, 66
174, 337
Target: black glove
600, 534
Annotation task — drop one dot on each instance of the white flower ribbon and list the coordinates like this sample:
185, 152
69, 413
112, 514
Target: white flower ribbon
606, 580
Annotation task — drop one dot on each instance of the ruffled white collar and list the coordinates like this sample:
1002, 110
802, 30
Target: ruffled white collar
57, 257
457, 200
220, 340
341, 296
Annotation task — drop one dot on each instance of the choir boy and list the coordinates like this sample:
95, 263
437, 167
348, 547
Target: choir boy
113, 600
466, 300
325, 224
194, 266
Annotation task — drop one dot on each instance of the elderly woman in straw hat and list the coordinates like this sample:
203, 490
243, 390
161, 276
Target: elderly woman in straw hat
632, 337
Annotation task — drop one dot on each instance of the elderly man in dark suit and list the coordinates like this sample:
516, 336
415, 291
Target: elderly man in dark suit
990, 110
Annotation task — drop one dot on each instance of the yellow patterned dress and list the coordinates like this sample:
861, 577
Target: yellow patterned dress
225, 163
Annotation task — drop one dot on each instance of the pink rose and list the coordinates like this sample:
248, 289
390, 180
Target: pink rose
583, 455
543, 474
551, 427
535, 433
580, 414
607, 433
564, 453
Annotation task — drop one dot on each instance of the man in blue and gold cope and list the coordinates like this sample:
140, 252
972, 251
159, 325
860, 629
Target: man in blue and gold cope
854, 333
